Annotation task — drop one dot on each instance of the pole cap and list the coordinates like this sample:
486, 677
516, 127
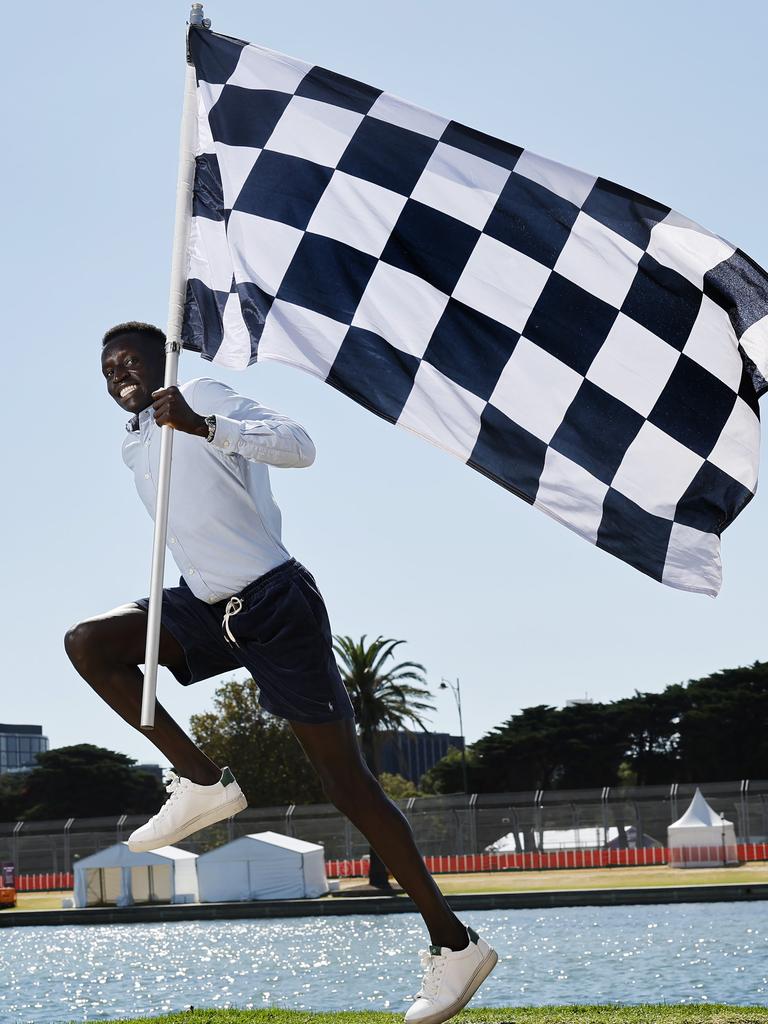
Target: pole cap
197, 16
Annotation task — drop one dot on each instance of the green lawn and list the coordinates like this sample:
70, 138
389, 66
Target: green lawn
755, 872
645, 1014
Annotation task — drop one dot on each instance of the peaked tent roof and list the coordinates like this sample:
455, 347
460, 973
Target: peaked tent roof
270, 840
118, 855
287, 842
699, 814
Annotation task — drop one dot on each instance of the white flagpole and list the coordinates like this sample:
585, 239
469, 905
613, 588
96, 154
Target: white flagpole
184, 185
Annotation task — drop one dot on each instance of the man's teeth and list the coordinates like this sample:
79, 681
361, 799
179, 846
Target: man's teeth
124, 392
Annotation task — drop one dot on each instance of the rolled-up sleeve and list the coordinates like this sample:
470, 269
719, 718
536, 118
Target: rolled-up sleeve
246, 428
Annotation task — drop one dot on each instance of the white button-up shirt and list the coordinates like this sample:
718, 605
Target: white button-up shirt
224, 525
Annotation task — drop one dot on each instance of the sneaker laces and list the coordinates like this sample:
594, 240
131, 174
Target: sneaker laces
173, 785
432, 965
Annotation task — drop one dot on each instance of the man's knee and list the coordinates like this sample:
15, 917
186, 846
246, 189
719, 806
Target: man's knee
83, 645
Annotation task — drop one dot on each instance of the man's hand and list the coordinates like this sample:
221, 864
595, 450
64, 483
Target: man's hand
172, 410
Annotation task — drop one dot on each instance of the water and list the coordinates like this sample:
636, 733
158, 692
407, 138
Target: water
694, 953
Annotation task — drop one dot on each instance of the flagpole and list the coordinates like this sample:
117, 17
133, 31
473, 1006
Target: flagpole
184, 185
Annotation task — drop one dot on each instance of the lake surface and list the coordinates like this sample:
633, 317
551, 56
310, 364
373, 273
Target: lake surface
700, 952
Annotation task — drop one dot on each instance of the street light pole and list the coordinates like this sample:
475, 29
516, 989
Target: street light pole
446, 684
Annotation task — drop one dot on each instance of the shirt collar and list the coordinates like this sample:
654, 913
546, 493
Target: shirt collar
135, 420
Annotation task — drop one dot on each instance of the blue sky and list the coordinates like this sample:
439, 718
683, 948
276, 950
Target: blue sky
404, 540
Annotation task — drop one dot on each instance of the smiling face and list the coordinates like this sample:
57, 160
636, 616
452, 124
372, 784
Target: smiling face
133, 367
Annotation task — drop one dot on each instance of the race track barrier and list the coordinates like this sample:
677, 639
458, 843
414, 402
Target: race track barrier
553, 860
471, 863
50, 881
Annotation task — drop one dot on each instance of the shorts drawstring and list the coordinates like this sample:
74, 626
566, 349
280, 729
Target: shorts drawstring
234, 605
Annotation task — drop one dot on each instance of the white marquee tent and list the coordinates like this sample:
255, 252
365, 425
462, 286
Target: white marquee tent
262, 866
117, 876
586, 837
701, 837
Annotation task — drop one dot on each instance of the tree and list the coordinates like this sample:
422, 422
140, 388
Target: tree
446, 775
722, 732
11, 800
520, 754
384, 696
650, 724
710, 729
86, 781
397, 787
260, 748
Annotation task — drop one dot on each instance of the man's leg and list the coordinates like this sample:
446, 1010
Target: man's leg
107, 650
334, 751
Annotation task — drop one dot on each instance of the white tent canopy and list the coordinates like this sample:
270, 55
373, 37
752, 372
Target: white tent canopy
701, 837
262, 866
118, 876
586, 837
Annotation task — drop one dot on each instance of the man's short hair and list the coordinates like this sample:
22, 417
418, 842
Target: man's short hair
149, 331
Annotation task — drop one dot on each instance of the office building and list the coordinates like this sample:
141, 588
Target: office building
410, 754
20, 745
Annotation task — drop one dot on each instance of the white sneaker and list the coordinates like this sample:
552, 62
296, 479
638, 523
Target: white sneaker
451, 978
189, 808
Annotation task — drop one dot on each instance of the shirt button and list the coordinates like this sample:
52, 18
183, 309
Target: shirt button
173, 540
226, 444
146, 476
191, 572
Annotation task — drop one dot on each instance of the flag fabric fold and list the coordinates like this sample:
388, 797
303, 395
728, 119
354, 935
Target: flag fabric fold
588, 348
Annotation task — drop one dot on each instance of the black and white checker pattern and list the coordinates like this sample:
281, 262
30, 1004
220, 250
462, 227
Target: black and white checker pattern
584, 346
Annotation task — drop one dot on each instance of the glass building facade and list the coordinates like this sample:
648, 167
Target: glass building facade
20, 745
410, 754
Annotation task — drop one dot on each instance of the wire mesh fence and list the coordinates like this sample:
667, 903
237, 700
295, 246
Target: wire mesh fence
527, 822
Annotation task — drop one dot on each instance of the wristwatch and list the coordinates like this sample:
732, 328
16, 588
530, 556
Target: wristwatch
211, 424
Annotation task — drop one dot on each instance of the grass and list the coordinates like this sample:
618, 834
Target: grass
642, 1014
601, 878
524, 881
40, 900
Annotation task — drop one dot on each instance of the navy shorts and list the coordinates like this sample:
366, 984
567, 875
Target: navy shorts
281, 634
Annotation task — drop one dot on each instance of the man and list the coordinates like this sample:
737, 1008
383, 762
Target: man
243, 601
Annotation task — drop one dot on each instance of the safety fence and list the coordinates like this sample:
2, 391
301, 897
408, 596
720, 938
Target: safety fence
467, 863
728, 853
46, 881
616, 820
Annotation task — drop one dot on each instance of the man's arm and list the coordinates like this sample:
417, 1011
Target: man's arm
243, 427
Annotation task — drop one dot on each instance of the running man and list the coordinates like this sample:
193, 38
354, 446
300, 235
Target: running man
242, 601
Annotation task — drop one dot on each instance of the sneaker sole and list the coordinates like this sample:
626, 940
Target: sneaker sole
474, 983
193, 825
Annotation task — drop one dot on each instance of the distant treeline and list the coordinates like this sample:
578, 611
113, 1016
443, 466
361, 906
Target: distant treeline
711, 729
706, 730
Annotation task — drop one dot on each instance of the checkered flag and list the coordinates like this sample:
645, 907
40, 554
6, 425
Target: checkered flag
589, 349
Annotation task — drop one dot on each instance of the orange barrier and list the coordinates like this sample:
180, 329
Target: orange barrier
467, 863
45, 882
7, 896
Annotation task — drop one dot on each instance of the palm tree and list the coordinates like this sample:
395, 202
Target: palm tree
384, 697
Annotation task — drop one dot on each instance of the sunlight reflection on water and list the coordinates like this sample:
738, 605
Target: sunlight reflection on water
714, 952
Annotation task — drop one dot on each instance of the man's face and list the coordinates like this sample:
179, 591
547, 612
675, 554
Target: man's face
133, 367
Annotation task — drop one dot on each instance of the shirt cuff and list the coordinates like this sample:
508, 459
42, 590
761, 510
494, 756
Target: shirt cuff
227, 435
